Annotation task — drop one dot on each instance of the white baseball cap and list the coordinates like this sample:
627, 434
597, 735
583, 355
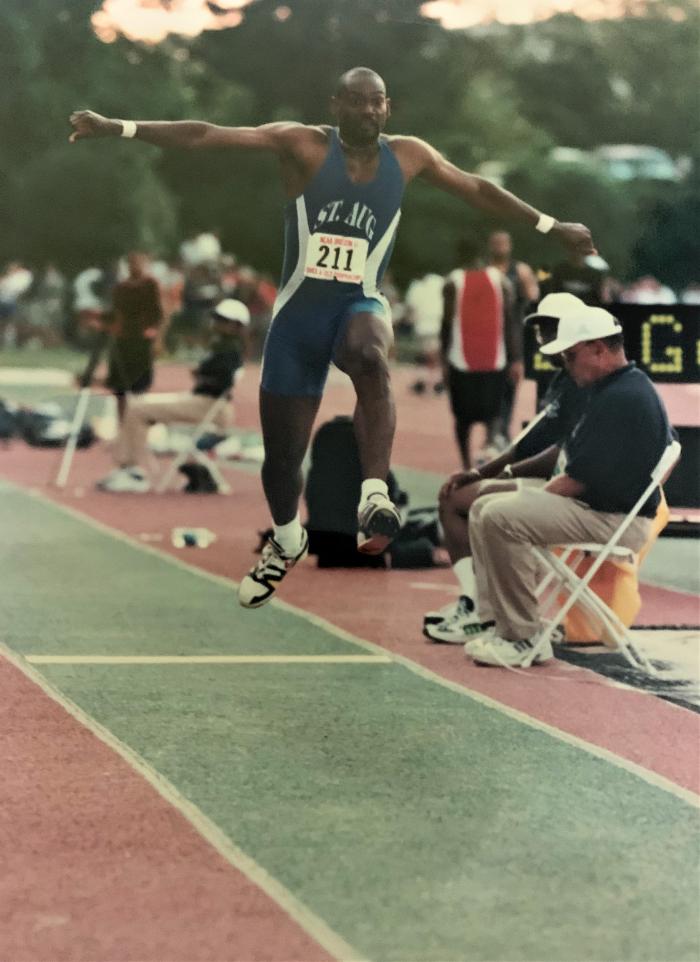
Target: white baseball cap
556, 305
231, 309
588, 324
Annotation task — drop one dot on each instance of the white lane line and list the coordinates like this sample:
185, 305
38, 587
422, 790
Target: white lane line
647, 775
208, 659
300, 913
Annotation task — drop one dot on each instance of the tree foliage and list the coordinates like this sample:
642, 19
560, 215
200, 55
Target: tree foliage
507, 94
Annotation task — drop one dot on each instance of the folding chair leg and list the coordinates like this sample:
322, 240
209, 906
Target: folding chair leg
72, 443
168, 475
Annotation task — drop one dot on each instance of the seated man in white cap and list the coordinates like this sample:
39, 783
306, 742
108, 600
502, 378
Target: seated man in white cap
529, 460
606, 463
213, 376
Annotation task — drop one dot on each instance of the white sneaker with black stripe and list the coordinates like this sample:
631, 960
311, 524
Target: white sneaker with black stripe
261, 582
462, 625
125, 481
474, 644
441, 614
502, 653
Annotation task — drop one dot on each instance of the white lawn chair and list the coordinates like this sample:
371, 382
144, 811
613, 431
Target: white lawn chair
192, 452
561, 576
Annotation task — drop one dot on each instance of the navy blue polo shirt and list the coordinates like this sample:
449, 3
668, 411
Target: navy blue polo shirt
215, 372
565, 403
618, 442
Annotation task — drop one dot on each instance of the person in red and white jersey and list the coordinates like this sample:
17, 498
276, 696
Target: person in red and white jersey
481, 342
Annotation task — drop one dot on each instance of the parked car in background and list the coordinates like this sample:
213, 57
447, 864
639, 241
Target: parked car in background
637, 162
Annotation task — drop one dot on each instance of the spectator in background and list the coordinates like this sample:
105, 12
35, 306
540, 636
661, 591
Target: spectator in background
481, 341
691, 294
584, 276
208, 248
15, 281
200, 248
259, 298
647, 290
423, 306
43, 310
213, 377
201, 291
89, 302
171, 282
135, 332
228, 277
526, 291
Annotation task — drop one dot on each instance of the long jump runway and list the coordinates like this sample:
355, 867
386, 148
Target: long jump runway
187, 780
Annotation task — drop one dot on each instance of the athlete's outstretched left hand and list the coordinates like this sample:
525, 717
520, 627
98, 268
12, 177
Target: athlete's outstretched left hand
576, 237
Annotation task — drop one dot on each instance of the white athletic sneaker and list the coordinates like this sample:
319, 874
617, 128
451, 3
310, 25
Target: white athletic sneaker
471, 649
510, 654
125, 481
378, 523
260, 584
474, 644
459, 627
441, 614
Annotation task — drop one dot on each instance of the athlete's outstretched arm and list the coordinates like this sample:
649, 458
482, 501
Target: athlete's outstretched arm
486, 196
183, 133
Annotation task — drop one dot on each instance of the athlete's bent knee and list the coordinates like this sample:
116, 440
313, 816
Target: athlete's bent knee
367, 360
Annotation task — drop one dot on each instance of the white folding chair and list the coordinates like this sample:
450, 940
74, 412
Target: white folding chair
191, 452
73, 435
561, 575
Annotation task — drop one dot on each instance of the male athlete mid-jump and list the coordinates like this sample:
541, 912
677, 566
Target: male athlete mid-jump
344, 187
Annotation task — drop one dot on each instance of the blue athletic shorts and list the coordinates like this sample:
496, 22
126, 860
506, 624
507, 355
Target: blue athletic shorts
302, 342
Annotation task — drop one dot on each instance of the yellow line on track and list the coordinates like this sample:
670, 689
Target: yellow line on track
209, 659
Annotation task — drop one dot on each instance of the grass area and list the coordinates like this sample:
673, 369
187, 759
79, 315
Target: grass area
63, 358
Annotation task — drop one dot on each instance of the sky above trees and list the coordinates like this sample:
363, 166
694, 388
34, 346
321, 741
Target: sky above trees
153, 20
481, 96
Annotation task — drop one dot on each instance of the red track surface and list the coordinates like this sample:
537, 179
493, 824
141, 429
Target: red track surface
97, 865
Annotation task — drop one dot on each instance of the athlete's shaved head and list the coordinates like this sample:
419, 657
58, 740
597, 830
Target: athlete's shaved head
362, 74
361, 106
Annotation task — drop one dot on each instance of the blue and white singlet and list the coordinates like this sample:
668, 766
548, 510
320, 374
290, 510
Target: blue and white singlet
338, 240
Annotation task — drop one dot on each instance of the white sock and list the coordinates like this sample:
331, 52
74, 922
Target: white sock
373, 486
288, 536
464, 573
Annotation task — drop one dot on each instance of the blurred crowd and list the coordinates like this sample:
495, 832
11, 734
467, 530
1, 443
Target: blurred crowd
41, 306
419, 313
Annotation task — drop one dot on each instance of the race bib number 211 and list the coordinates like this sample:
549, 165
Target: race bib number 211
336, 258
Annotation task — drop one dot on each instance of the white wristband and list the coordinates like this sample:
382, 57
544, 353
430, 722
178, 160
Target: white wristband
129, 129
543, 225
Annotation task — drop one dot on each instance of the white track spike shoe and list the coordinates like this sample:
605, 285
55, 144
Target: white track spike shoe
261, 582
378, 523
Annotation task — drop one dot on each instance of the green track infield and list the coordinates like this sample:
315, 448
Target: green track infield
418, 823
69, 588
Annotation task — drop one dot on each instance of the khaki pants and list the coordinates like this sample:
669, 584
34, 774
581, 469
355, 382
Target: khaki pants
142, 412
503, 527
